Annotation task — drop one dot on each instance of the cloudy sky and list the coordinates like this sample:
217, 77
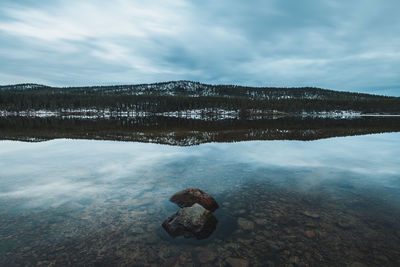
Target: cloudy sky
345, 45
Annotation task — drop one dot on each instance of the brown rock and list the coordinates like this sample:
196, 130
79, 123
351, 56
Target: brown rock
190, 196
309, 234
236, 262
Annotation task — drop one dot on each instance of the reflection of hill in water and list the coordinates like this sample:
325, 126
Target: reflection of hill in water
183, 132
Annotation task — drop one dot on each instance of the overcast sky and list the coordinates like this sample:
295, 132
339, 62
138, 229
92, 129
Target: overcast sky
345, 45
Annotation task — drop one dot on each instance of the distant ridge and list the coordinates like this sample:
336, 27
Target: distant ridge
196, 89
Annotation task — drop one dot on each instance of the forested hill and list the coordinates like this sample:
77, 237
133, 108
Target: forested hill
187, 95
195, 89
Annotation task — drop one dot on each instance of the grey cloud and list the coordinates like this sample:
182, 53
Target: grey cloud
349, 45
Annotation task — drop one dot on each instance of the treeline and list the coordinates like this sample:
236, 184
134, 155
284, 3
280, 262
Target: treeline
12, 100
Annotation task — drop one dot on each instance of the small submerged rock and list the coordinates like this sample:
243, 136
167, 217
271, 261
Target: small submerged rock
345, 223
194, 221
245, 224
206, 255
311, 214
357, 264
236, 262
190, 196
309, 234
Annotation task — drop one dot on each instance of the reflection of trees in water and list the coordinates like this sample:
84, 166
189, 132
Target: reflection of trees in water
178, 131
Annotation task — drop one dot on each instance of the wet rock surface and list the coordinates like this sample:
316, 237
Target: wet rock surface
194, 221
190, 196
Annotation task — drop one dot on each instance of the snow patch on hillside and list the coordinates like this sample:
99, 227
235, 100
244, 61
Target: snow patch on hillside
203, 114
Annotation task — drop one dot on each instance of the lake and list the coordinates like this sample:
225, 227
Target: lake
331, 202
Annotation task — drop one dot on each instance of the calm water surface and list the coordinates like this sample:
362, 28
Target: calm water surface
282, 203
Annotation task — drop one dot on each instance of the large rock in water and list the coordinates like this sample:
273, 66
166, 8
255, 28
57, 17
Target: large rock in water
189, 196
194, 221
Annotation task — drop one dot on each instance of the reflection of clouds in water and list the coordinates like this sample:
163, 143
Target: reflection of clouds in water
370, 154
80, 159
77, 169
68, 169
53, 189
